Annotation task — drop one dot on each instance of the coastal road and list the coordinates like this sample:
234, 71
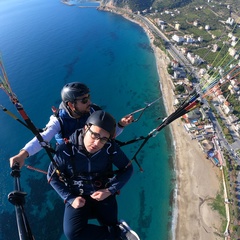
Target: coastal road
172, 50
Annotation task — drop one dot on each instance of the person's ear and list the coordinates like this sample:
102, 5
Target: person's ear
71, 105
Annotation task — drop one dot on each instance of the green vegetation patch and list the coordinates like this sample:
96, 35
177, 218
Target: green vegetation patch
217, 33
218, 204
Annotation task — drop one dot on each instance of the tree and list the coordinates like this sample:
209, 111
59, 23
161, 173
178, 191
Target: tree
180, 88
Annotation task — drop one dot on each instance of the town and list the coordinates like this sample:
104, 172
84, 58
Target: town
214, 74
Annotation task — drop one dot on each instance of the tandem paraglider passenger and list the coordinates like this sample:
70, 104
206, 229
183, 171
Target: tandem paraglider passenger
85, 179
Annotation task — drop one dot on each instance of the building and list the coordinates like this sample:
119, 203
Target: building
195, 23
194, 59
177, 26
174, 64
177, 38
179, 73
232, 51
189, 39
215, 48
221, 98
200, 39
230, 21
207, 27
227, 108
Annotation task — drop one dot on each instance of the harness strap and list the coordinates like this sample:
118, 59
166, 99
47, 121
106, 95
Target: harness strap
56, 114
102, 178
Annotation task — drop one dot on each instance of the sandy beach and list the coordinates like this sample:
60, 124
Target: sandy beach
198, 180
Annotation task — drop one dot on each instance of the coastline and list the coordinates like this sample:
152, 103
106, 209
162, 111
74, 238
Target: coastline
198, 180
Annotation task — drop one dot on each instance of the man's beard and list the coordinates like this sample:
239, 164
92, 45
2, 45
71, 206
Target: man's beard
82, 113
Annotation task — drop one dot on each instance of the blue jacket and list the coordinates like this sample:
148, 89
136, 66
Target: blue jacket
87, 173
69, 124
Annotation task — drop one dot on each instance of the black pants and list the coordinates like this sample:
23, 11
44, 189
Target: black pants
75, 223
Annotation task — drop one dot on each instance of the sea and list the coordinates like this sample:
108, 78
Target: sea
46, 44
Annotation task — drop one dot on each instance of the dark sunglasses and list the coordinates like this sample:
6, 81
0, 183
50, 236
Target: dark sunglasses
83, 100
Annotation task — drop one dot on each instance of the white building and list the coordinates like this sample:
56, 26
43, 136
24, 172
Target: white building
202, 71
177, 26
200, 39
163, 27
230, 21
221, 98
195, 23
161, 22
237, 128
189, 39
227, 109
207, 27
232, 51
174, 64
194, 59
214, 48
177, 38
235, 84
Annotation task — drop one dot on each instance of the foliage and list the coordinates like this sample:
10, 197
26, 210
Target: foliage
169, 4
170, 70
135, 5
221, 10
235, 102
218, 204
190, 78
140, 5
180, 88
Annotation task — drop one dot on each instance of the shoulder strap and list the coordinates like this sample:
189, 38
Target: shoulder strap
95, 107
56, 114
72, 158
110, 150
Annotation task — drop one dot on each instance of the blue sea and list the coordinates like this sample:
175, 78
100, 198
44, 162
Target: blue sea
46, 44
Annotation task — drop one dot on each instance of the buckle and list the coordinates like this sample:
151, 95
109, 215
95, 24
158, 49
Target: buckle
81, 191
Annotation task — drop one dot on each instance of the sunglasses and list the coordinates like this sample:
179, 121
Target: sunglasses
95, 135
83, 100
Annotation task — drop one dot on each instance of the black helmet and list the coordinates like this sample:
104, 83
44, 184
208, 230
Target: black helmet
73, 90
103, 120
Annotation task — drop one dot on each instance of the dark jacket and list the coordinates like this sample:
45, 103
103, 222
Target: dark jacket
87, 173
